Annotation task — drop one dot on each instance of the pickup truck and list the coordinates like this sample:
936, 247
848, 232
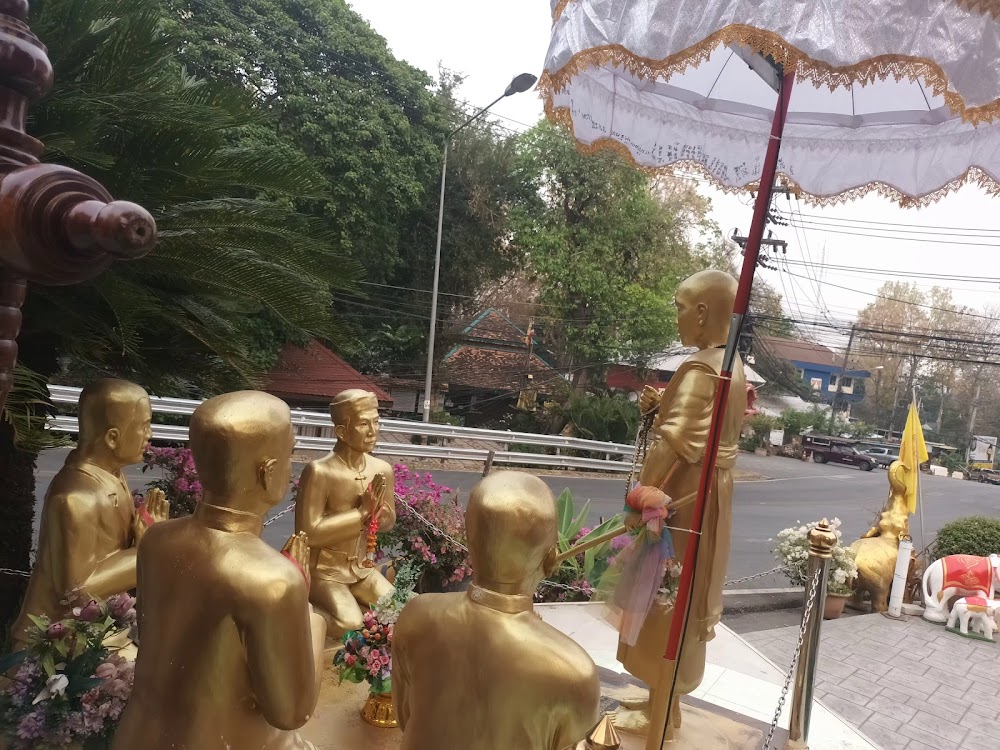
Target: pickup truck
843, 454
985, 476
883, 456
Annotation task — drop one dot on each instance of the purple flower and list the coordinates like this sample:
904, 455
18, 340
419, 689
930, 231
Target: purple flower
56, 631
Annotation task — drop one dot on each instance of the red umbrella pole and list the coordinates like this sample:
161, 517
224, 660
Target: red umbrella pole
675, 641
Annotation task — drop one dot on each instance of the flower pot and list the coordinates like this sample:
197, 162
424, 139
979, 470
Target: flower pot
430, 583
379, 711
833, 607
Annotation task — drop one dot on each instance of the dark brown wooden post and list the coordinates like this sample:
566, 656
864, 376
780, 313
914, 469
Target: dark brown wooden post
57, 226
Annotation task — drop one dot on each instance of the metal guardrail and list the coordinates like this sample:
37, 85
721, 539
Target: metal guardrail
67, 395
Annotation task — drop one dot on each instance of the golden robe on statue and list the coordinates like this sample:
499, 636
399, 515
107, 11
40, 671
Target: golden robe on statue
679, 435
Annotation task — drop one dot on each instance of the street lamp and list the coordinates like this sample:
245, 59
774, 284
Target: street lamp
520, 84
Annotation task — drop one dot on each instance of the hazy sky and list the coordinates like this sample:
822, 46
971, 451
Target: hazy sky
490, 41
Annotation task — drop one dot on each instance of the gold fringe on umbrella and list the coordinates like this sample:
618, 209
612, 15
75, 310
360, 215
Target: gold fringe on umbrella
819, 73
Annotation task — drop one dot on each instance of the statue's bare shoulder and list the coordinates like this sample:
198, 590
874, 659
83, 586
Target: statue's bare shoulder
321, 468
277, 580
74, 493
575, 663
423, 612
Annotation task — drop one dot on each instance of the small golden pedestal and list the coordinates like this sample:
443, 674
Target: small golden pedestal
338, 723
379, 712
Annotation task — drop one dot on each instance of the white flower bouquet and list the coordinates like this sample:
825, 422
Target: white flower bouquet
792, 550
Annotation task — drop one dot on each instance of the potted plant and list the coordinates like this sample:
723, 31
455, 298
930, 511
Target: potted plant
577, 578
68, 689
792, 551
367, 653
429, 532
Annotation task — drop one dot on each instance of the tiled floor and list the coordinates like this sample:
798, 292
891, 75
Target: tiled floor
737, 676
907, 685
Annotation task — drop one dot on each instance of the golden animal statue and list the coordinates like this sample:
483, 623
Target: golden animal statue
339, 497
480, 670
90, 527
232, 655
876, 552
680, 429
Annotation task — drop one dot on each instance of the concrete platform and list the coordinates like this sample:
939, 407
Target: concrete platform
732, 710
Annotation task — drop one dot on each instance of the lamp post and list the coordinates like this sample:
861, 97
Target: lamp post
520, 84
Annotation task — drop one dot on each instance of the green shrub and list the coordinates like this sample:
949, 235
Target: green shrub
751, 443
974, 535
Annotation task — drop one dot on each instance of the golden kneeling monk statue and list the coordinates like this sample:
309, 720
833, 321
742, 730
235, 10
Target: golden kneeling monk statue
479, 670
90, 527
231, 654
337, 498
876, 552
673, 464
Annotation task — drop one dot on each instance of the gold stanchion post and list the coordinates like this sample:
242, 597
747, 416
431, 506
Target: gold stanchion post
822, 540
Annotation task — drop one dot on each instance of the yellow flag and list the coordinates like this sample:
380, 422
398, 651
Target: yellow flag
912, 452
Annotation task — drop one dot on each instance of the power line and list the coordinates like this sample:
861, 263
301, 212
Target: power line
896, 238
958, 231
905, 302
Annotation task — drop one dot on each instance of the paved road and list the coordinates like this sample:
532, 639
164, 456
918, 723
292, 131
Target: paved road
793, 492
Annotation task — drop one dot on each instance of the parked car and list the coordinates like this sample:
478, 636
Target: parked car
844, 454
883, 456
988, 476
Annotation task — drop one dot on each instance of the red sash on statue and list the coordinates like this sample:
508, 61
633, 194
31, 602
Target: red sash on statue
976, 604
967, 572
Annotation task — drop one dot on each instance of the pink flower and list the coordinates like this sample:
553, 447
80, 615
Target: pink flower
56, 631
88, 613
121, 605
621, 542
106, 671
350, 660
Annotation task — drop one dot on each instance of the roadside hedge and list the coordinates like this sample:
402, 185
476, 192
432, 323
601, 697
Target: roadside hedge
974, 535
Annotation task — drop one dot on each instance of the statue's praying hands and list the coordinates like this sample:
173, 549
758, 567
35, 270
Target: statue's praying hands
157, 509
297, 550
377, 504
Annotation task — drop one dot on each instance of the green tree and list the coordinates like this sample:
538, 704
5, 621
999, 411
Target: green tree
237, 269
392, 321
374, 126
365, 119
607, 246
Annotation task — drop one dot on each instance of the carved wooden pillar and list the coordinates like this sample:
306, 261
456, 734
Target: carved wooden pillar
57, 226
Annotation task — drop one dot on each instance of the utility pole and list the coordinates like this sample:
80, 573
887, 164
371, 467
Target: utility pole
840, 382
975, 408
526, 399
895, 395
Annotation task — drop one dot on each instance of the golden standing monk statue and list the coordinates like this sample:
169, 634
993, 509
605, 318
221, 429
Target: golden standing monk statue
90, 528
673, 464
231, 655
479, 670
337, 498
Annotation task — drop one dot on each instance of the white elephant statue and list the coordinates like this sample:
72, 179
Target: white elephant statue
958, 575
984, 613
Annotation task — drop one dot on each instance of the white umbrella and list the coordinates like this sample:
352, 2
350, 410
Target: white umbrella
903, 103
915, 88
